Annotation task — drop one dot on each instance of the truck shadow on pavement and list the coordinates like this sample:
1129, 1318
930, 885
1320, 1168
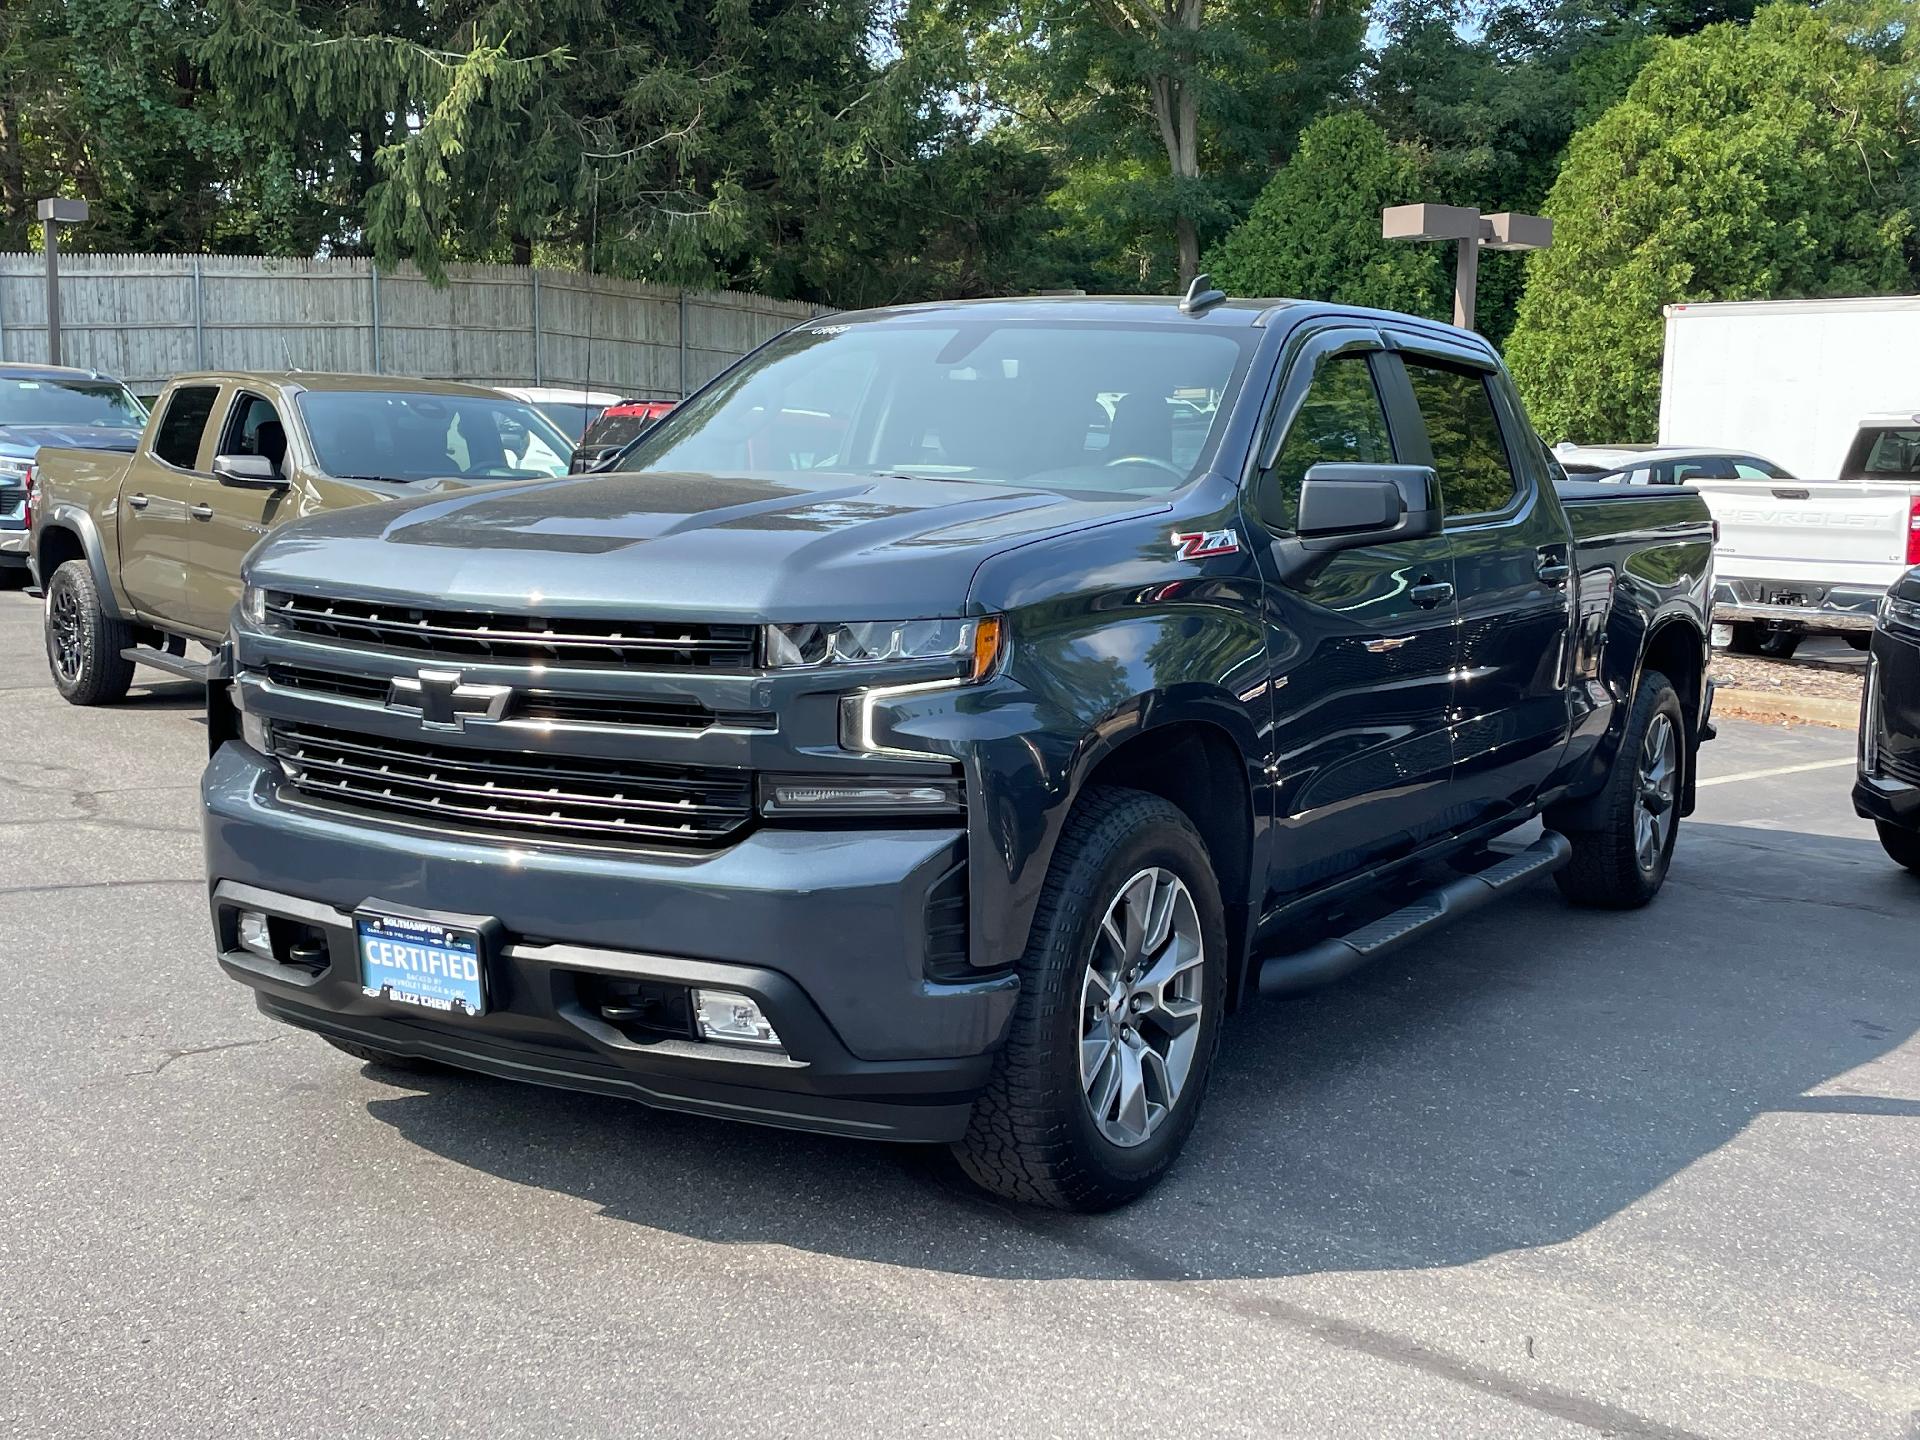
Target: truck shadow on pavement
1511, 1085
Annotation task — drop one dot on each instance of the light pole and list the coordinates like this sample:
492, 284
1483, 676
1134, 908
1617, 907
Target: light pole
1472, 232
54, 214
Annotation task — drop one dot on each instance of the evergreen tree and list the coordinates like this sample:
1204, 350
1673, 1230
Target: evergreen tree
1745, 163
1315, 230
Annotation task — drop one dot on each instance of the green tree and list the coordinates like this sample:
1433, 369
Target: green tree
1492, 94
1161, 117
1744, 163
1315, 230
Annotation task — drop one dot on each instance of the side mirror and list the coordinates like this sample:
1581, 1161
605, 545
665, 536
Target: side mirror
596, 461
1346, 507
248, 472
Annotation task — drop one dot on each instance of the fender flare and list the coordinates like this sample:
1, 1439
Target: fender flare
73, 518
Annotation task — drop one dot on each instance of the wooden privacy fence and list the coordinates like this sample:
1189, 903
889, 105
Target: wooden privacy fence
145, 318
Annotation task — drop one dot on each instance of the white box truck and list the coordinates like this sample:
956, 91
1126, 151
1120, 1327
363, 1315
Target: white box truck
1829, 389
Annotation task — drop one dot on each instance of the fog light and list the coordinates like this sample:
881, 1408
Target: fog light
827, 795
731, 1018
254, 934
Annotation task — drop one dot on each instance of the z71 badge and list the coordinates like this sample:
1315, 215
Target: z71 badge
1199, 544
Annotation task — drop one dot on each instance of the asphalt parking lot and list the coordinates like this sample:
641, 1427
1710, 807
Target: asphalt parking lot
1553, 1174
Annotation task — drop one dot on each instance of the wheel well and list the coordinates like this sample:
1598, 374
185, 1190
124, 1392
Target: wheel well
57, 545
1197, 767
1675, 650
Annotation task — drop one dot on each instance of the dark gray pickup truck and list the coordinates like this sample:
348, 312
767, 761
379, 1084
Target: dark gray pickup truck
947, 717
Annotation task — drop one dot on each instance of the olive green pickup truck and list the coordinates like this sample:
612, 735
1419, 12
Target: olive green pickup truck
139, 555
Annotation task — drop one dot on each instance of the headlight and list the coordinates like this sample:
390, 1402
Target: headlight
253, 605
1896, 613
15, 468
974, 645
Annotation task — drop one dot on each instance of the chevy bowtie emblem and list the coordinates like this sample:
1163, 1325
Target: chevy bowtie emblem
443, 701
1199, 544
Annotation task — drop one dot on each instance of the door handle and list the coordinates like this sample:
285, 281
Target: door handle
1429, 593
137, 501
202, 511
1553, 571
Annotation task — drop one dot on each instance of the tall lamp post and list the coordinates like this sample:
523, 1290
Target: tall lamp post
1472, 232
54, 214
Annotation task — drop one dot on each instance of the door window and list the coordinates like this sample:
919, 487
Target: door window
1463, 430
254, 428
1759, 470
1709, 467
1340, 421
177, 441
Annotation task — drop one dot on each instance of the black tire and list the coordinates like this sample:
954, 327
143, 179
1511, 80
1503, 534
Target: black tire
1033, 1136
1751, 637
1858, 639
83, 641
1902, 846
1607, 870
13, 577
385, 1059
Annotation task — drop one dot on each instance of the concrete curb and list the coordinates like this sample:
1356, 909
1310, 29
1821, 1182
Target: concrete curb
1777, 706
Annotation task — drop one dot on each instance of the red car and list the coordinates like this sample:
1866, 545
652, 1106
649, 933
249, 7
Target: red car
618, 427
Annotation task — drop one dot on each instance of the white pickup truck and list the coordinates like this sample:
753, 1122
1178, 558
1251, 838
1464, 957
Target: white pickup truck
1810, 557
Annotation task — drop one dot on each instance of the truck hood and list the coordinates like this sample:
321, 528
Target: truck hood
24, 441
770, 547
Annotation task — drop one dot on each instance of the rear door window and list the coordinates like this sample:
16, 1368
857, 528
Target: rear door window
1340, 422
1890, 452
177, 441
1463, 431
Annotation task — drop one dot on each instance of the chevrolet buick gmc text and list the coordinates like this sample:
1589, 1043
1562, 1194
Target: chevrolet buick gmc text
947, 716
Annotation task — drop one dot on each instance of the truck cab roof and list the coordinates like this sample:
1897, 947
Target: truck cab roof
332, 380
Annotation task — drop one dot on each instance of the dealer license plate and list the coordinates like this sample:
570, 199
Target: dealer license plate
422, 963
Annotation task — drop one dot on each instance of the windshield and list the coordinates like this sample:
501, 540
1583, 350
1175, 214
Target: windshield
1109, 408
396, 435
70, 402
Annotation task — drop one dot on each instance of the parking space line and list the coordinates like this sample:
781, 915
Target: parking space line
1776, 770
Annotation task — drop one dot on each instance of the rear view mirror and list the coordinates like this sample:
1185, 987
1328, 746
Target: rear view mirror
1345, 507
247, 472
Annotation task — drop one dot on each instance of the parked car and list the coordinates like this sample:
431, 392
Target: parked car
1887, 790
1813, 557
1663, 464
52, 405
140, 554
616, 429
875, 754
571, 410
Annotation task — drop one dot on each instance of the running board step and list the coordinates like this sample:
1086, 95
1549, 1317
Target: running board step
166, 660
1340, 954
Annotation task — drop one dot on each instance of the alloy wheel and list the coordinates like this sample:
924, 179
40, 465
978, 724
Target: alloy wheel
66, 633
1653, 813
1140, 1003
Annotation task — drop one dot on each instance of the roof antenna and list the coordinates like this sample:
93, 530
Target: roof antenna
1201, 295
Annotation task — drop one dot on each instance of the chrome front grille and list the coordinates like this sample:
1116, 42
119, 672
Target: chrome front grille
496, 636
510, 795
538, 706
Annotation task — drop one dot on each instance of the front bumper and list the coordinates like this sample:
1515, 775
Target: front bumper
14, 545
1801, 603
1892, 802
825, 931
